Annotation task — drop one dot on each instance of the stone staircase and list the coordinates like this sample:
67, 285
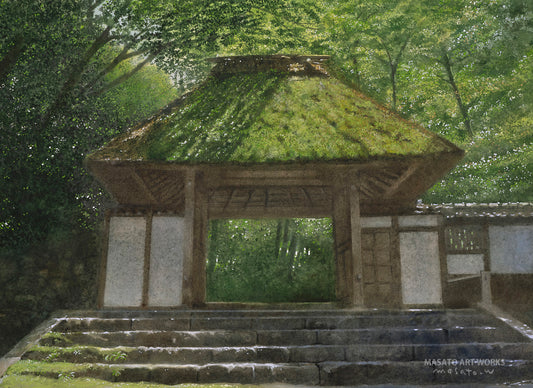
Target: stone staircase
328, 347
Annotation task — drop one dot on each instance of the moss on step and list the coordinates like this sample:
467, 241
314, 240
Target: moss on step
65, 370
17, 381
50, 369
78, 354
55, 339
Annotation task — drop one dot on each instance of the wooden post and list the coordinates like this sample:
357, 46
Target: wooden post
102, 270
347, 231
188, 251
355, 227
343, 248
396, 261
199, 243
147, 252
194, 276
486, 293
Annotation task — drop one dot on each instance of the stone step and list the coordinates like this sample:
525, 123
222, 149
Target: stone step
282, 354
488, 371
241, 373
218, 338
258, 313
273, 323
305, 374
316, 347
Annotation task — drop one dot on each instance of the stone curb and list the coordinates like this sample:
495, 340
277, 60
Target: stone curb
28, 341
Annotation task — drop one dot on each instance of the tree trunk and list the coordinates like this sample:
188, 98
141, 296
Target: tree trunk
285, 241
279, 231
122, 56
393, 68
451, 80
76, 73
291, 257
213, 244
125, 77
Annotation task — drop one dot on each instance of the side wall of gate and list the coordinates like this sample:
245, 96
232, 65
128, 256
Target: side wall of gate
494, 239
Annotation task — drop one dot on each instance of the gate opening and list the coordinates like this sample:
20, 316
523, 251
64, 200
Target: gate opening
271, 260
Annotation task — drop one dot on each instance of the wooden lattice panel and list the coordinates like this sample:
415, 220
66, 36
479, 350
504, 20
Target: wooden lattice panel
465, 238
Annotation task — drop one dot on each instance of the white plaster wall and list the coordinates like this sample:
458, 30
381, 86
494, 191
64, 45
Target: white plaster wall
471, 264
418, 221
166, 261
420, 268
125, 262
511, 248
376, 222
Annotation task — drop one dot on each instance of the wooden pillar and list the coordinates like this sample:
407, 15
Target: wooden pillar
355, 223
147, 252
347, 232
194, 276
396, 261
486, 292
342, 235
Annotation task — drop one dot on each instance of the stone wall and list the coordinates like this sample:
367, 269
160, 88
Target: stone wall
59, 273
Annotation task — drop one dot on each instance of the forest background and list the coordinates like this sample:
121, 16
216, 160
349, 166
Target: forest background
75, 73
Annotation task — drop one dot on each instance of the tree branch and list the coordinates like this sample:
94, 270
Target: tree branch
76, 73
121, 57
95, 5
402, 48
125, 76
451, 80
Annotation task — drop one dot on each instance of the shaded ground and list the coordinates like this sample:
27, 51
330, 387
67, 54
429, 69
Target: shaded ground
41, 382
14, 326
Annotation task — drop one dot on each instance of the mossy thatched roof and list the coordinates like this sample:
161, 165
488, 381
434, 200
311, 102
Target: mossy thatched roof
263, 115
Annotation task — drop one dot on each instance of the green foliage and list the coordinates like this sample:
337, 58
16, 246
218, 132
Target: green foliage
465, 74
286, 260
116, 356
55, 339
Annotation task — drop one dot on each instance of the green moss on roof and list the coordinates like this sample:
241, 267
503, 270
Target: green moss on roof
273, 117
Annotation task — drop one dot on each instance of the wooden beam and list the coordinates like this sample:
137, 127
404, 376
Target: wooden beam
271, 212
144, 188
306, 193
403, 177
230, 196
367, 192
